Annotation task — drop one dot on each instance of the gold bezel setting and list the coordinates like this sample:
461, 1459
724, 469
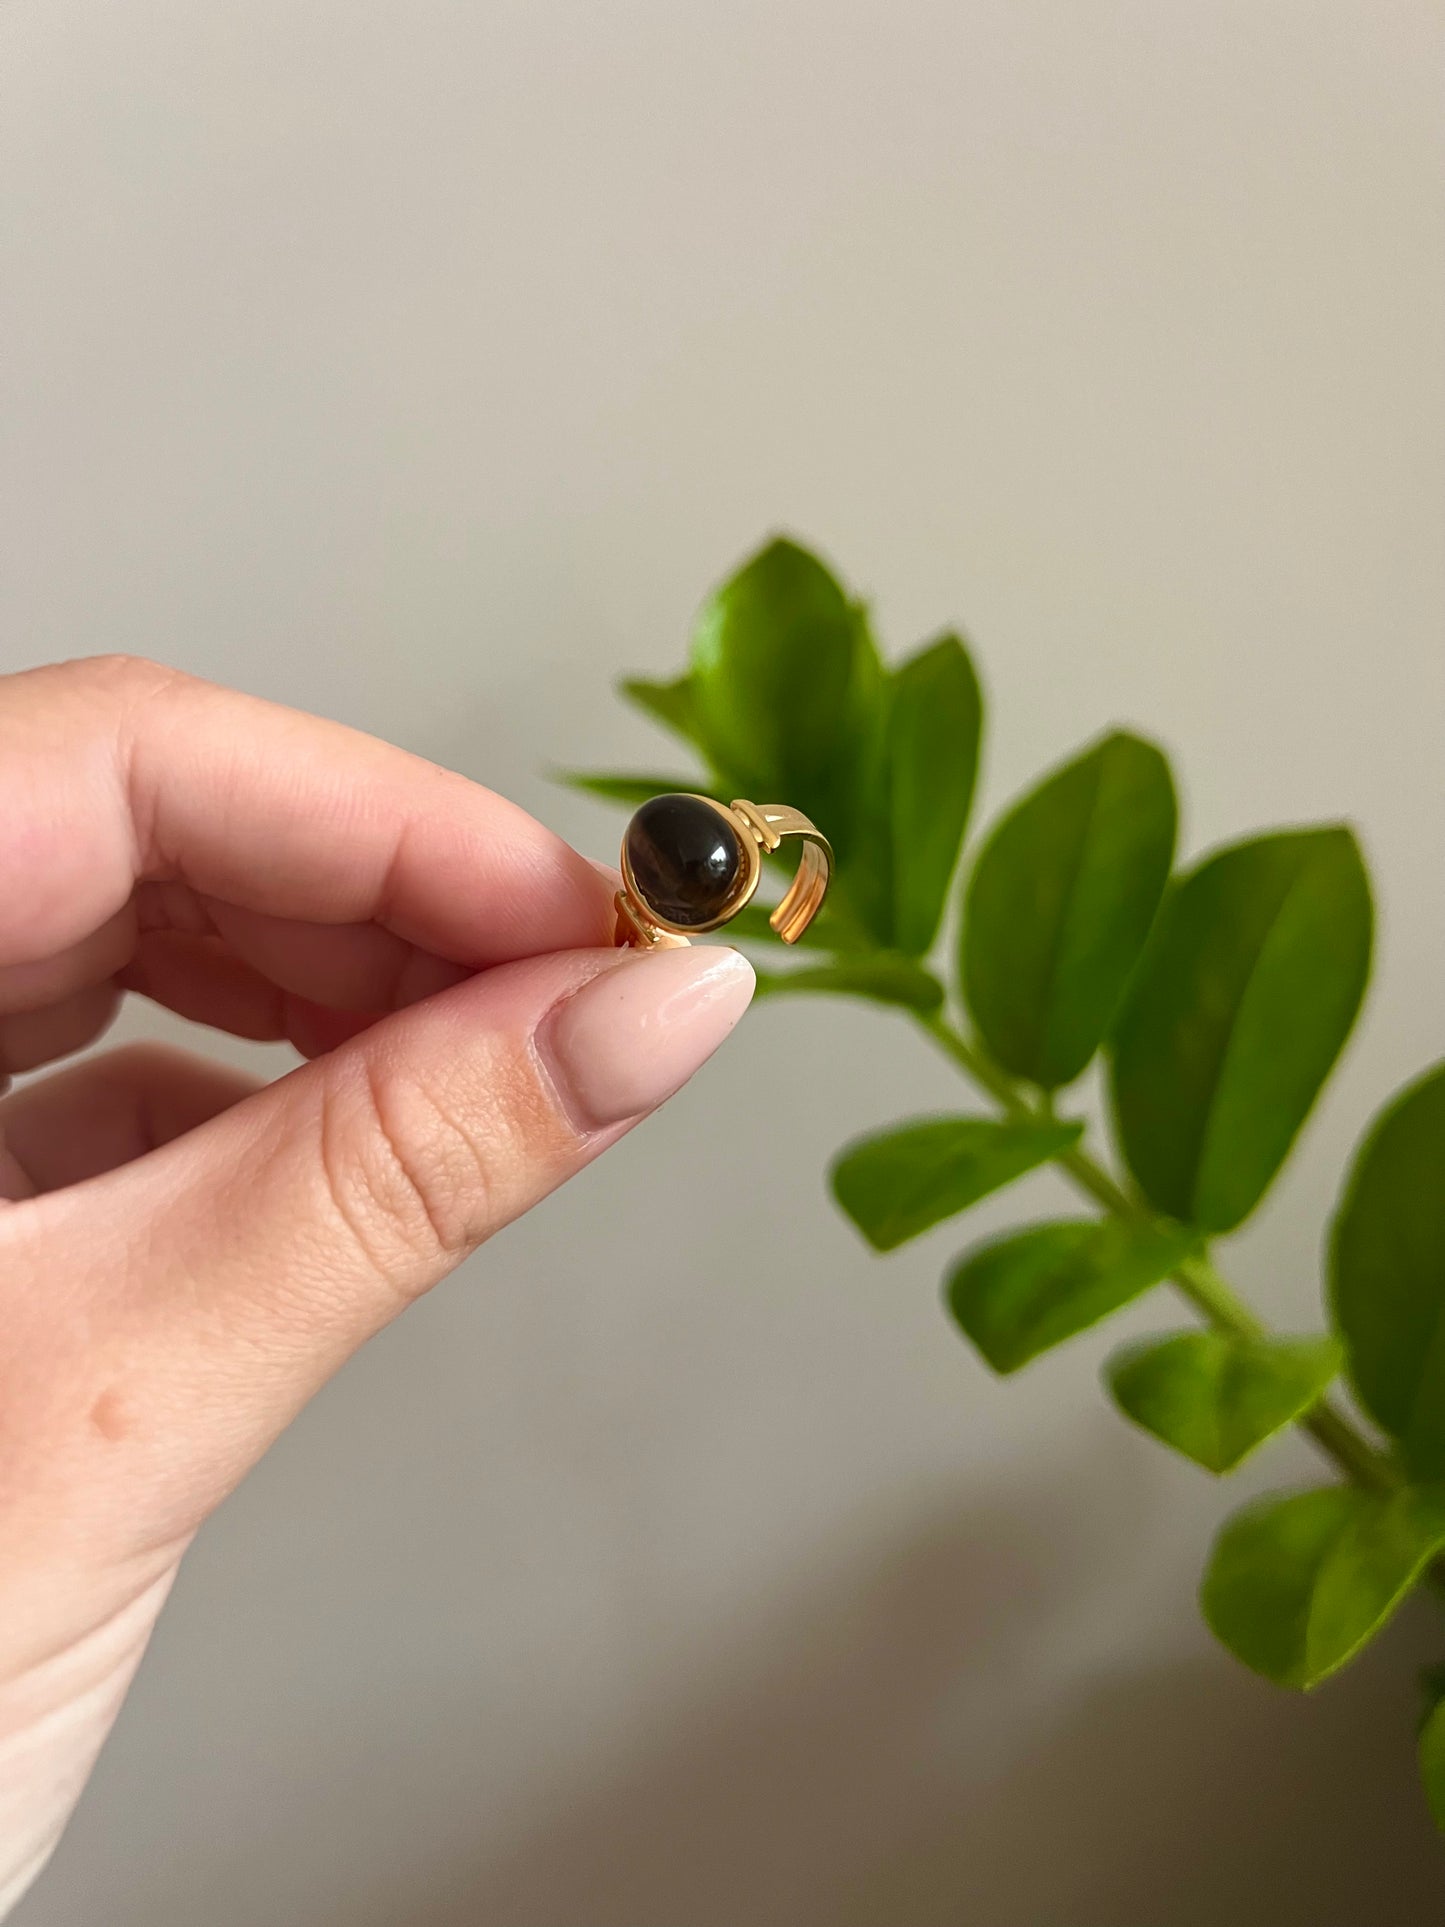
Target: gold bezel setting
742, 892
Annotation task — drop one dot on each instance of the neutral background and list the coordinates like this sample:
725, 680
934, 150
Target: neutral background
423, 364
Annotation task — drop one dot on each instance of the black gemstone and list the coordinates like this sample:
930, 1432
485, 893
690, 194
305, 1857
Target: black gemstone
686, 859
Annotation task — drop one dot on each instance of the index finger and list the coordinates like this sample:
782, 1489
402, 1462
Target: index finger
115, 771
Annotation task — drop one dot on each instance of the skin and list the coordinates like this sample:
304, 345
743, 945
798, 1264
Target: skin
185, 1255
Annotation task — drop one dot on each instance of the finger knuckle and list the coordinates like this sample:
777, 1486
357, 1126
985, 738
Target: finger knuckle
144, 1062
406, 1176
119, 675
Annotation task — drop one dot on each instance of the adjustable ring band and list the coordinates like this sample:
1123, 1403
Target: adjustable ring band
690, 864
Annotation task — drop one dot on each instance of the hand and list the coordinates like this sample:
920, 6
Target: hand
185, 1256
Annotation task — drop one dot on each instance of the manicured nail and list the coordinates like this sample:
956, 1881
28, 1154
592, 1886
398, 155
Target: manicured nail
633, 1034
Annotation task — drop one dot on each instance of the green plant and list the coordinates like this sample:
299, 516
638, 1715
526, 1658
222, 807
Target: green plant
1220, 999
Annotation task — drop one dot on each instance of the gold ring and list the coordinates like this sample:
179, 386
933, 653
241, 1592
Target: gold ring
689, 864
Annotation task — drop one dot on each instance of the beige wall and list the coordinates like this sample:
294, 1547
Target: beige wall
422, 363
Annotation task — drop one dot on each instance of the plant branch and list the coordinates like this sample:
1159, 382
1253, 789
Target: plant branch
1197, 1278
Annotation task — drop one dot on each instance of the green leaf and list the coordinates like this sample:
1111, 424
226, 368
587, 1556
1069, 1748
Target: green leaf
1024, 1293
1387, 1272
670, 703
786, 685
1060, 904
935, 716
901, 1182
1432, 1690
1215, 1397
1242, 1003
1296, 1586
625, 788
1432, 1762
884, 979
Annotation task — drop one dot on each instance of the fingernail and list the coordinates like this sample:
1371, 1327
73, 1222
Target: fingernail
633, 1034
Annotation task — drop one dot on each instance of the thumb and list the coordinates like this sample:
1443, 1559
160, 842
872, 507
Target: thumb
213, 1285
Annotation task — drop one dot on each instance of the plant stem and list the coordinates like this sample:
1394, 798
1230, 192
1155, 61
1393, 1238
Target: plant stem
996, 1082
1196, 1278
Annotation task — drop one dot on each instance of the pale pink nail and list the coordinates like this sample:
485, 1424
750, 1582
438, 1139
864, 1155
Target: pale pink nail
631, 1035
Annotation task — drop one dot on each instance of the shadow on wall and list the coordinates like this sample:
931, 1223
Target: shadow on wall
842, 1777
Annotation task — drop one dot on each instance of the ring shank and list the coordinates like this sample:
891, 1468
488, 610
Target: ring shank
770, 823
805, 894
